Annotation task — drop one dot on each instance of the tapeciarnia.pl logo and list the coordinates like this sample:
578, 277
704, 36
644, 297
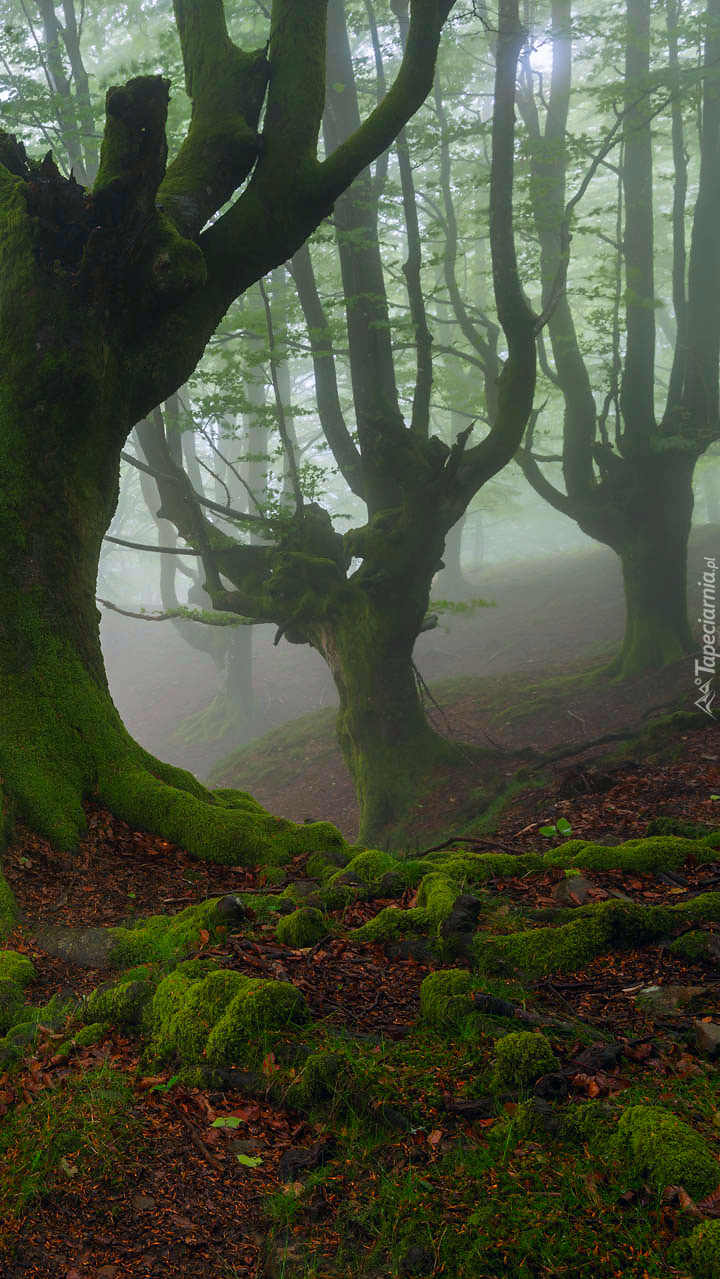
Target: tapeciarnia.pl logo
709, 637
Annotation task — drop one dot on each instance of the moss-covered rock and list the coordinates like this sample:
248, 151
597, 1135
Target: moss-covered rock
91, 1034
367, 867
121, 1005
391, 923
326, 1077
437, 894
164, 938
662, 852
266, 1006
444, 997
522, 1057
676, 826
322, 864
15, 967
703, 1250
667, 1151
696, 945
192, 1010
303, 928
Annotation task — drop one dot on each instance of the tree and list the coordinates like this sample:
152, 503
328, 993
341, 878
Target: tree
633, 490
365, 621
108, 296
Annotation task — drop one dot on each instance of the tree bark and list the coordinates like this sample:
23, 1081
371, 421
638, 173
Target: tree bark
653, 554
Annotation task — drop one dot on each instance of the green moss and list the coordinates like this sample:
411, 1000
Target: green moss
320, 867
390, 923
303, 928
325, 1077
91, 1034
163, 938
667, 1151
368, 866
444, 996
8, 906
600, 929
192, 1011
266, 1006
703, 1246
663, 852
521, 1058
15, 967
437, 895
694, 946
700, 909
11, 1002
476, 868
676, 826
120, 1005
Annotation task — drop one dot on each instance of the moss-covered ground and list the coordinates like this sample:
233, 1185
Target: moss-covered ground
500, 1057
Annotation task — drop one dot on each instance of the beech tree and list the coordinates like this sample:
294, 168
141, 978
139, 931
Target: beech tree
628, 468
108, 296
365, 620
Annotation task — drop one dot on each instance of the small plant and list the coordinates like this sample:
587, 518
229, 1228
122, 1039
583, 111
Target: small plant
561, 827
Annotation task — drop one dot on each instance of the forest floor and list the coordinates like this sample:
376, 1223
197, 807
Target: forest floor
394, 1131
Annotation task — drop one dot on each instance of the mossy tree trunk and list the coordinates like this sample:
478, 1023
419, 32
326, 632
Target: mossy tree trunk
654, 556
107, 300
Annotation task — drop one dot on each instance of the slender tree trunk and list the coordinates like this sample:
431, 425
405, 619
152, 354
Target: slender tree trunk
654, 564
388, 745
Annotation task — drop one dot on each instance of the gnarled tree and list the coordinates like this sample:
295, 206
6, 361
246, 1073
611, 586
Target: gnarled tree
632, 489
108, 296
365, 621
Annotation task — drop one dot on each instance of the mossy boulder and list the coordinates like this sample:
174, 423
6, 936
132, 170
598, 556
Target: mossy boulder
304, 927
321, 865
703, 1249
444, 997
522, 1057
186, 1006
123, 1004
659, 1146
220, 1016
367, 867
265, 1007
391, 923
696, 945
15, 967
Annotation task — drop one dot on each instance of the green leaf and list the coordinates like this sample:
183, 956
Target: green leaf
564, 826
226, 1121
250, 1161
548, 830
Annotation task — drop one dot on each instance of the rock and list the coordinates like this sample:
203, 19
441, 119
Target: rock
143, 1203
303, 1159
552, 1087
668, 999
408, 948
417, 1261
707, 1034
86, 947
230, 910
463, 917
578, 891
598, 1057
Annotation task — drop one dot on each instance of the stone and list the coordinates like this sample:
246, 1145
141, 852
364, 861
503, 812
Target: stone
230, 910
707, 1034
668, 999
577, 891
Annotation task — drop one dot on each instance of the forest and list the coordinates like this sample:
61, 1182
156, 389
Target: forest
359, 664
